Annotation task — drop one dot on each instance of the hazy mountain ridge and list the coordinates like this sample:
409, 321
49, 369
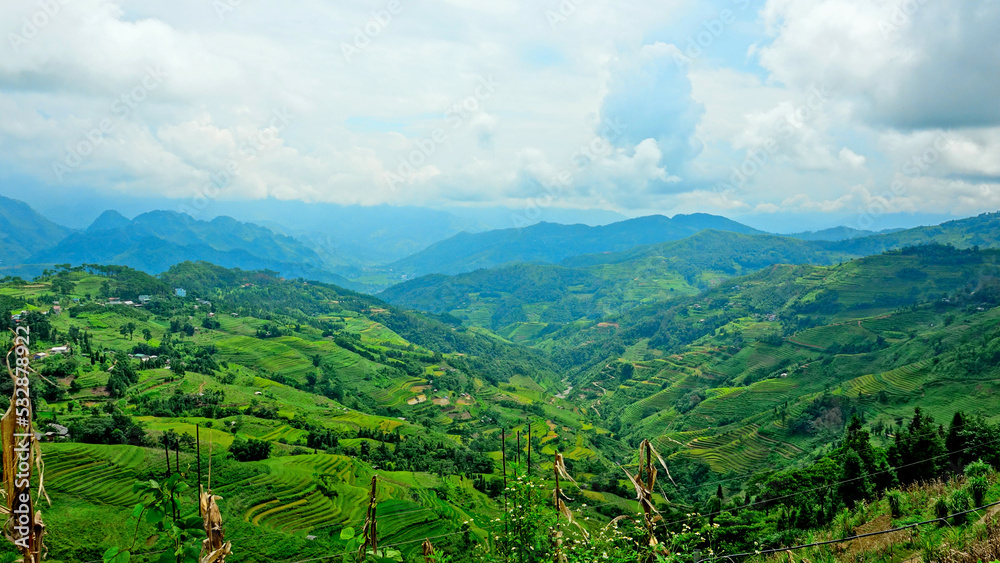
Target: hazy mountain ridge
23, 231
551, 242
838, 233
155, 241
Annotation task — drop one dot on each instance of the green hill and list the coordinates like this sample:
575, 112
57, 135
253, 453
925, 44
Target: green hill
341, 386
770, 366
597, 285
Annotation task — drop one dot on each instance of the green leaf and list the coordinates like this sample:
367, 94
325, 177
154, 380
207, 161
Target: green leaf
193, 523
192, 553
347, 533
155, 515
137, 510
110, 554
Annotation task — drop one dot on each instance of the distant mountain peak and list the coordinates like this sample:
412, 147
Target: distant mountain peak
108, 221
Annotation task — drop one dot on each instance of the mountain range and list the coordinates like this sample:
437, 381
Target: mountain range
592, 286
599, 269
551, 242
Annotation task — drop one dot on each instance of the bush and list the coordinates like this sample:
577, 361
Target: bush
978, 486
941, 508
897, 501
960, 501
978, 468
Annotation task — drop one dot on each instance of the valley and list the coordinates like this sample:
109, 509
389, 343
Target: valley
742, 358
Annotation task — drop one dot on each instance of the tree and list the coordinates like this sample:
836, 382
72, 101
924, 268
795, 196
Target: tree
855, 483
918, 452
249, 450
123, 375
147, 334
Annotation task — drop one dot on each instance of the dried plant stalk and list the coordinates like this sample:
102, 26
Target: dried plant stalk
427, 550
370, 529
214, 547
644, 483
24, 526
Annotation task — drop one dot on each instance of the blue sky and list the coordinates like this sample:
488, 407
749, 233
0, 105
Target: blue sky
762, 110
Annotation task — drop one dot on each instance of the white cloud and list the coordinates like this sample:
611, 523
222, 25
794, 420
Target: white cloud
471, 103
909, 64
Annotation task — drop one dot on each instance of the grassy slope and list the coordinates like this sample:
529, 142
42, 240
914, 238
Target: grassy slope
880, 359
271, 506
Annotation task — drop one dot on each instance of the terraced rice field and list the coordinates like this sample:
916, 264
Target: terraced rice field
398, 393
900, 381
825, 336
309, 493
738, 450
98, 474
731, 404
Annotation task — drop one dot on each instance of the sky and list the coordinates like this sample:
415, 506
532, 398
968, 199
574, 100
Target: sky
761, 110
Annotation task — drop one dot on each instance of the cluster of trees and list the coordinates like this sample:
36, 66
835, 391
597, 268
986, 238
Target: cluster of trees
858, 470
117, 428
127, 283
249, 450
122, 375
208, 405
178, 325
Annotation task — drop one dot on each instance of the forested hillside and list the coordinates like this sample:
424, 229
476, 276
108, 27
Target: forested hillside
767, 395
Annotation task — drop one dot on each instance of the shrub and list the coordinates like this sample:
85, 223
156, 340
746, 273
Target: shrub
960, 501
978, 486
896, 502
941, 508
978, 468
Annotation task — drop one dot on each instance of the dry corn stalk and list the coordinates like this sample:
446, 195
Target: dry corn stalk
370, 529
427, 550
21, 450
650, 452
644, 494
214, 547
559, 499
